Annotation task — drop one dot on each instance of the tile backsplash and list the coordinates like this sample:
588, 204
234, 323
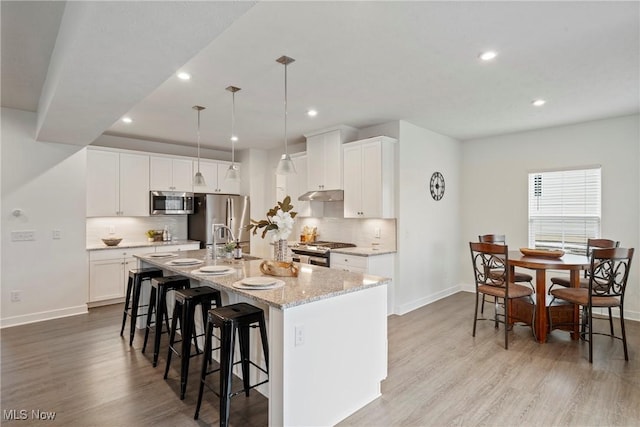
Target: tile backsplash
133, 229
362, 232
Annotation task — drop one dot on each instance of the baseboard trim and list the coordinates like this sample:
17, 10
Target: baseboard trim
42, 316
413, 305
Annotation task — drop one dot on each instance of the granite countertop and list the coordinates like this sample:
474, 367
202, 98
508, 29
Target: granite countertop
140, 244
313, 283
364, 251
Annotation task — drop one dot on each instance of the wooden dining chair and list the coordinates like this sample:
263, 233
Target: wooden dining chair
518, 276
608, 274
492, 277
584, 282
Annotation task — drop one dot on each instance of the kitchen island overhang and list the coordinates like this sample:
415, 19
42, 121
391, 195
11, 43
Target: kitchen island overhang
327, 332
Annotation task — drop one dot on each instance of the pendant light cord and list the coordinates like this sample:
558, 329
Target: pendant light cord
286, 151
233, 126
198, 141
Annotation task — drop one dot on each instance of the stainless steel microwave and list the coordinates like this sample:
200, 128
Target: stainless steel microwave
170, 203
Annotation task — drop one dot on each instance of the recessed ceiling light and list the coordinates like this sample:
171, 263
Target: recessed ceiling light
184, 76
538, 102
312, 113
127, 120
488, 55
234, 138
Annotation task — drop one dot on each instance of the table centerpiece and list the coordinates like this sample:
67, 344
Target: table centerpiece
278, 224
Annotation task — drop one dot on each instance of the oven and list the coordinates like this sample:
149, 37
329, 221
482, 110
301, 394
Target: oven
308, 259
318, 253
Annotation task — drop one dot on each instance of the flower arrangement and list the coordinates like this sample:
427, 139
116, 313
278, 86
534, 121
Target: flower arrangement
279, 221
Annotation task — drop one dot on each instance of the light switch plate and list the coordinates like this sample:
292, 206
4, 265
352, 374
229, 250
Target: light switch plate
23, 235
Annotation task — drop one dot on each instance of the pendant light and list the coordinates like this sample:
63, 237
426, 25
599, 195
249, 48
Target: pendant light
285, 165
233, 173
198, 179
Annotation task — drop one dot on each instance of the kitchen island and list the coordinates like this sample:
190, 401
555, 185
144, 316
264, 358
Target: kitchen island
327, 332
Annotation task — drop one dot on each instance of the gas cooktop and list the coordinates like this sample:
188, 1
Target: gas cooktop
320, 247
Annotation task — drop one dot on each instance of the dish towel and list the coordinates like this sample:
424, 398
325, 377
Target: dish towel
304, 259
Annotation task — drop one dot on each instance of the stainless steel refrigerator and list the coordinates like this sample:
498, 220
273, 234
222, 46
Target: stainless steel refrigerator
232, 211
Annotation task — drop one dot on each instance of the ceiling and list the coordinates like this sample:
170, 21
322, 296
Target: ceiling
84, 65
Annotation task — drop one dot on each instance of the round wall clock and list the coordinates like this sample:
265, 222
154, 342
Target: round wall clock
437, 186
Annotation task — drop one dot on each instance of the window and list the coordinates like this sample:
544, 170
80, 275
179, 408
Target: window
564, 209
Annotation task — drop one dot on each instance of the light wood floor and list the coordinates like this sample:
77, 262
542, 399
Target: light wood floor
439, 375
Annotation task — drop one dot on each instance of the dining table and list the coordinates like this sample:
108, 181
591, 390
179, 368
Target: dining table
540, 264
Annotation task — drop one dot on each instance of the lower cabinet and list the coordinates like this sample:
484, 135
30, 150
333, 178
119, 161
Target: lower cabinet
109, 271
378, 265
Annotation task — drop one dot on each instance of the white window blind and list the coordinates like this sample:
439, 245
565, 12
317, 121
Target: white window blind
564, 209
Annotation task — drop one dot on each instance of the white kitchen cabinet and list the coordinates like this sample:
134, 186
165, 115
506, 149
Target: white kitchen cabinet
295, 185
109, 270
171, 174
117, 184
214, 174
369, 178
324, 158
379, 265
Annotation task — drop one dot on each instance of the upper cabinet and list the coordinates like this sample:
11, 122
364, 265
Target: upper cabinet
214, 173
324, 158
171, 174
117, 184
369, 178
295, 185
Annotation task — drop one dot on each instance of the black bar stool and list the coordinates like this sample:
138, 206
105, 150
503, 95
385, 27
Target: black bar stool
185, 310
132, 305
230, 318
158, 303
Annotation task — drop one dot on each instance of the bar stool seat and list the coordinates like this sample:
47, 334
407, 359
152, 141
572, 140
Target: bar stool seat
231, 318
132, 300
160, 286
185, 310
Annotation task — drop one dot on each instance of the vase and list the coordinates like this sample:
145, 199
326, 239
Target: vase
280, 250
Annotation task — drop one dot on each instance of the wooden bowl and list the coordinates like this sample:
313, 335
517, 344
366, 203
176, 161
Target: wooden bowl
279, 268
112, 241
544, 253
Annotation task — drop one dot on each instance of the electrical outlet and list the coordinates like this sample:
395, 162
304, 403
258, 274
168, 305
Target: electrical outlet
23, 235
56, 234
112, 229
377, 232
299, 335
16, 296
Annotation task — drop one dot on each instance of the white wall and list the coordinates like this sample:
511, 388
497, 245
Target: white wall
428, 231
494, 184
47, 181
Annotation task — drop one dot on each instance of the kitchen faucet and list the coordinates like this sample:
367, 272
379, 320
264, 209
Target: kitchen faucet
215, 229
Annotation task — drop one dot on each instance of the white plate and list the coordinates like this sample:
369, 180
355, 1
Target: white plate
162, 255
259, 281
275, 285
215, 269
185, 261
198, 272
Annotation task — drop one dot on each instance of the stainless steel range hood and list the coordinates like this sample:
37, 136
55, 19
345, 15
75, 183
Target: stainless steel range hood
323, 196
